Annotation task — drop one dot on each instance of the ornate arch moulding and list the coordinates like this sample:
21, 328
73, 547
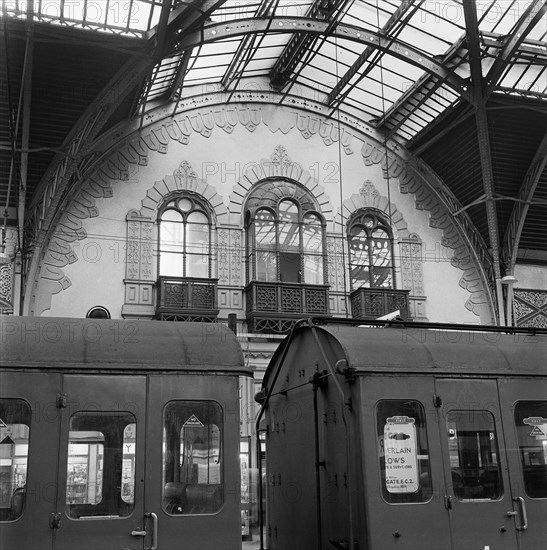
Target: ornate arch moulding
278, 166
131, 151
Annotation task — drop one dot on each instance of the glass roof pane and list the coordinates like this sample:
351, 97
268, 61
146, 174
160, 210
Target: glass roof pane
133, 17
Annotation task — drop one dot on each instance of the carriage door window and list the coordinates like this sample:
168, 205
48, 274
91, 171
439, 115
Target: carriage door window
474, 455
403, 451
101, 465
192, 457
531, 423
14, 438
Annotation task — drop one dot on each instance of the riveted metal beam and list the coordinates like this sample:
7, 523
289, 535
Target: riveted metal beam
247, 47
396, 48
520, 209
532, 15
63, 173
397, 19
300, 44
475, 64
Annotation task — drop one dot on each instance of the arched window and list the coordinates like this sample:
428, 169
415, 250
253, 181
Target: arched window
285, 241
371, 251
184, 239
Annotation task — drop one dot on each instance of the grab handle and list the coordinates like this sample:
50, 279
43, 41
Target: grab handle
523, 516
154, 530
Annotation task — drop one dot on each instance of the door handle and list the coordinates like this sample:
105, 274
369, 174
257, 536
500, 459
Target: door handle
523, 515
154, 530
138, 533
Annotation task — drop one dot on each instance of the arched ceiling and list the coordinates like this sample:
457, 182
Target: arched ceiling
462, 84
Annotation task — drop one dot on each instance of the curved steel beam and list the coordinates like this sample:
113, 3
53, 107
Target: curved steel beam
520, 209
284, 25
67, 166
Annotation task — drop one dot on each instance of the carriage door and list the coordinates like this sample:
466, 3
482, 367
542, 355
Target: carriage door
402, 484
100, 481
192, 470
524, 414
477, 485
28, 458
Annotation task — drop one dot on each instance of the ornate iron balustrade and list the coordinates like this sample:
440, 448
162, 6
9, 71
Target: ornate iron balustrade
274, 307
375, 302
187, 299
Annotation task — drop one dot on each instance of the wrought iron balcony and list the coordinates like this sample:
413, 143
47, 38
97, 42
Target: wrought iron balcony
187, 299
371, 303
274, 306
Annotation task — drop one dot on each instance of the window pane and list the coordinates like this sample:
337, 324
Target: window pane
192, 457
100, 466
360, 276
171, 265
197, 265
312, 238
264, 229
266, 266
474, 456
381, 248
288, 212
14, 443
197, 239
531, 424
171, 237
382, 277
198, 217
358, 247
313, 270
128, 463
171, 216
289, 237
403, 451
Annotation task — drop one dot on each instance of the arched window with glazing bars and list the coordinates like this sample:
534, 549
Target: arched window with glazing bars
285, 243
184, 238
371, 250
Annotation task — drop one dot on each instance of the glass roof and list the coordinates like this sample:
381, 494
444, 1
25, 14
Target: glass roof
130, 17
399, 63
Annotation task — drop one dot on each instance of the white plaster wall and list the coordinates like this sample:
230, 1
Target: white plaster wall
533, 277
96, 278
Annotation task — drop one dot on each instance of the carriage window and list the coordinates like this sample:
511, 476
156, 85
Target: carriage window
192, 457
403, 451
101, 465
14, 438
474, 456
531, 423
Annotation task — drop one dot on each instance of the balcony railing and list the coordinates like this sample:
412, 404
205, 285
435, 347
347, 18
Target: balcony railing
371, 303
187, 299
274, 307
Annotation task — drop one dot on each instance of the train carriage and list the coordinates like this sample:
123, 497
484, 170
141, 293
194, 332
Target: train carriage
406, 438
119, 435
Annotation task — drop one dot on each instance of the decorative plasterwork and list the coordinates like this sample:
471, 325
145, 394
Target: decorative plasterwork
469, 256
409, 244
530, 308
60, 251
6, 287
184, 178
410, 251
370, 197
206, 116
130, 153
278, 166
229, 256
